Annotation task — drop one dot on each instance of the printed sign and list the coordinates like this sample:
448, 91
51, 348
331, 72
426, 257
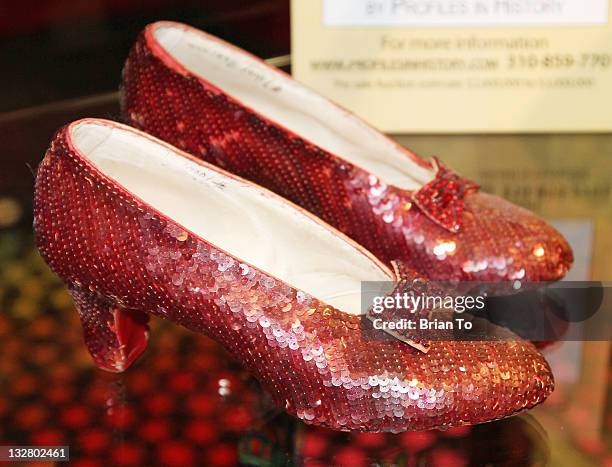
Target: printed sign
464, 12
460, 66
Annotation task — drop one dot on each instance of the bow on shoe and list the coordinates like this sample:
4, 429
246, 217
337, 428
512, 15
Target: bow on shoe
407, 281
442, 199
420, 300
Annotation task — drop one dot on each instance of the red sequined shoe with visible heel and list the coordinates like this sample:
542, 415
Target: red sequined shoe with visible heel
229, 108
136, 227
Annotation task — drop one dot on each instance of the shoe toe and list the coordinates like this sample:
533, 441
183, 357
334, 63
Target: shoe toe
507, 242
466, 383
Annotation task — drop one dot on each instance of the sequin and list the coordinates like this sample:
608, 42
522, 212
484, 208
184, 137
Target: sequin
392, 223
442, 198
312, 358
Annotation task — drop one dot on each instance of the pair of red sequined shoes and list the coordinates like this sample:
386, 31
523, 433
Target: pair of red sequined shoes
138, 227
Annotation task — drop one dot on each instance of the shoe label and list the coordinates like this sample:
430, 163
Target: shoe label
460, 66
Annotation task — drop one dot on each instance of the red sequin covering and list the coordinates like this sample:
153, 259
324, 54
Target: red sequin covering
442, 198
467, 235
119, 255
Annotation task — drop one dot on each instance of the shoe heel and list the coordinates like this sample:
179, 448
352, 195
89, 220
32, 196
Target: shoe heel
115, 336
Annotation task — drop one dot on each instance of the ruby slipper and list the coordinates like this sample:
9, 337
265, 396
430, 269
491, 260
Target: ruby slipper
136, 227
229, 108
